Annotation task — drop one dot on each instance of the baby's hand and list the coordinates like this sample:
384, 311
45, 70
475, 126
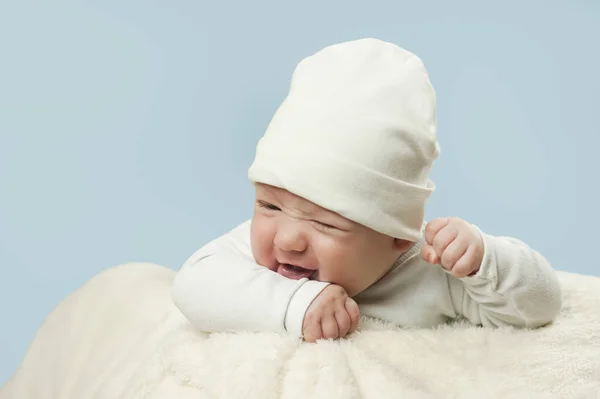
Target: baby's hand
332, 314
454, 244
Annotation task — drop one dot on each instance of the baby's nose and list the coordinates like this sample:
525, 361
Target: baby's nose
290, 240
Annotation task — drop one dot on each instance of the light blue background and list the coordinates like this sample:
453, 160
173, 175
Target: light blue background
126, 128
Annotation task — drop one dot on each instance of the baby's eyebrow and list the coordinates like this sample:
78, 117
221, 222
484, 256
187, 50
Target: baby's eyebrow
306, 211
318, 214
306, 214
309, 210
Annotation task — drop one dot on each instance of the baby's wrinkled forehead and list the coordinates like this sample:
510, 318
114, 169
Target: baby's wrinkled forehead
283, 196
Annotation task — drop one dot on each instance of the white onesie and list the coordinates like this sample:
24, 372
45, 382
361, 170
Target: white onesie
221, 288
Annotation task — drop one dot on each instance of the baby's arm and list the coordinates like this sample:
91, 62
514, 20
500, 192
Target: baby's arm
221, 288
514, 285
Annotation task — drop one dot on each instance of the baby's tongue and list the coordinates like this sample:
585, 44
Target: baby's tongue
294, 272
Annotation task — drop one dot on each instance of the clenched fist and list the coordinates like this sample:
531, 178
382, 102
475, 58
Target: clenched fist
454, 244
332, 314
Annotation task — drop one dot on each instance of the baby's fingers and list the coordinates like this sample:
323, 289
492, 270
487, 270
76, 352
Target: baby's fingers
329, 326
428, 254
343, 322
464, 266
353, 313
312, 330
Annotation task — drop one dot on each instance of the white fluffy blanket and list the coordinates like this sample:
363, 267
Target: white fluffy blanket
119, 336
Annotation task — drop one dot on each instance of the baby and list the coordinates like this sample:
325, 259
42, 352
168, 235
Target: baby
342, 178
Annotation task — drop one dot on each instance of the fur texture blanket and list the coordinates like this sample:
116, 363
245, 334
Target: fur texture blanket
119, 336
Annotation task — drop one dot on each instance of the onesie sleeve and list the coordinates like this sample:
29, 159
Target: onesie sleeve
515, 286
221, 288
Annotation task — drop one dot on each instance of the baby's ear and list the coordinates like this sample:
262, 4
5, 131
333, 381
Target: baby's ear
401, 245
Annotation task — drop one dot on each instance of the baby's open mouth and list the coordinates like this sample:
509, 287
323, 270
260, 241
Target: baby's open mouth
294, 272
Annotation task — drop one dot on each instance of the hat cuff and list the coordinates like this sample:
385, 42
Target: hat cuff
365, 196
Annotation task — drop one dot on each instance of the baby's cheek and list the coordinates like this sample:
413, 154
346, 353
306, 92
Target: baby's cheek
262, 246
264, 258
355, 271
260, 251
337, 266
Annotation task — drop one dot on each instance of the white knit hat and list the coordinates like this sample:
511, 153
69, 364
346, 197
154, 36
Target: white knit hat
357, 135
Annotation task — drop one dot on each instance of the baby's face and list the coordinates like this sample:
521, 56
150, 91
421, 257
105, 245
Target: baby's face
297, 239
